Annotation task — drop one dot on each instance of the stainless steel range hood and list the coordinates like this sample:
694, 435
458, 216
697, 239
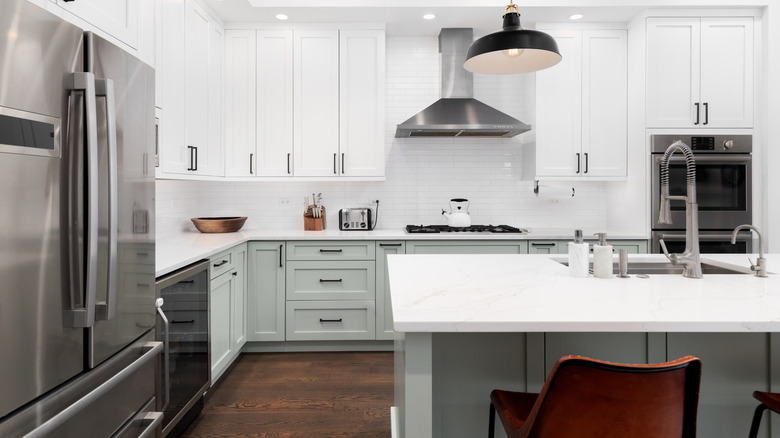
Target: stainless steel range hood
457, 113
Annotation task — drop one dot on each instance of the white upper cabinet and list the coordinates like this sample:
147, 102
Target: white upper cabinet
316, 102
581, 107
361, 104
118, 18
700, 72
315, 108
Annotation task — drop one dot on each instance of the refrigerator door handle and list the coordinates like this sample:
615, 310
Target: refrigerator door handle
82, 311
166, 358
107, 310
49, 428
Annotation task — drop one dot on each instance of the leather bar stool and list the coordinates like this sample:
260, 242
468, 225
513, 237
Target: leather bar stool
769, 400
587, 398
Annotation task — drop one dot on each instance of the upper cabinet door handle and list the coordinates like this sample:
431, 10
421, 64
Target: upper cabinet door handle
706, 113
697, 113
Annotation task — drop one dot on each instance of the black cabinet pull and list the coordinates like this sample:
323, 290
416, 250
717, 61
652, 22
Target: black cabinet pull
251, 158
331, 250
288, 163
192, 158
196, 158
542, 244
217, 265
697, 113
334, 164
330, 320
578, 162
706, 113
280, 256
188, 321
325, 280
389, 244
586, 162
342, 163
187, 282
235, 274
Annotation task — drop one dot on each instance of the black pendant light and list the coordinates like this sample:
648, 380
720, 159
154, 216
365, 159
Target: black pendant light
512, 49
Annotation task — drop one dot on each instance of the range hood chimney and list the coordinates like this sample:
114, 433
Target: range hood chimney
457, 113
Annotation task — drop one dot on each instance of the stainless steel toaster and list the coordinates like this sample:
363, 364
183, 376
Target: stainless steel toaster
355, 219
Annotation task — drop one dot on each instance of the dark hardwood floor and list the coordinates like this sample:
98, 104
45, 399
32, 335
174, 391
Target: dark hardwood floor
344, 394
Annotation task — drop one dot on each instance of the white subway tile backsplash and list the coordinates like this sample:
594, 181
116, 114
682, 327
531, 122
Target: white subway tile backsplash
422, 174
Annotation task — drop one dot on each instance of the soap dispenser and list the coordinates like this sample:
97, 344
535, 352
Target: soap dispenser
578, 256
602, 257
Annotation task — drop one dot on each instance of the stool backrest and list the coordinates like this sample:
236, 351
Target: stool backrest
587, 398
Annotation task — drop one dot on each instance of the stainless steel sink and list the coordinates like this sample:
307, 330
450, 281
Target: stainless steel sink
666, 268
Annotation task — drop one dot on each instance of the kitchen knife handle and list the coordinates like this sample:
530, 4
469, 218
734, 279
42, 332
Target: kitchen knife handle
697, 113
578, 162
706, 113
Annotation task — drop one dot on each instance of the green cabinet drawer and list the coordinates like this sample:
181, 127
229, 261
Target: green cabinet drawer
330, 320
221, 263
347, 250
326, 280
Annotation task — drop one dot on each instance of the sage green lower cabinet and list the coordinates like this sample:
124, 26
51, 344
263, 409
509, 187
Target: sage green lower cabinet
384, 308
330, 280
330, 320
467, 247
227, 333
266, 291
633, 347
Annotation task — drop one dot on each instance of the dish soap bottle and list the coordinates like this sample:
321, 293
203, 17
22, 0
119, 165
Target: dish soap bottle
578, 256
602, 257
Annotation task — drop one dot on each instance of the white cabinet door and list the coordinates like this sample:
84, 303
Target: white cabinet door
265, 291
240, 53
672, 72
220, 342
604, 103
274, 103
118, 18
212, 161
581, 107
700, 72
558, 109
316, 102
174, 157
727, 71
362, 107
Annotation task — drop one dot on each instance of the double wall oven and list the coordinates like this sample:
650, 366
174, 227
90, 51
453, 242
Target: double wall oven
724, 192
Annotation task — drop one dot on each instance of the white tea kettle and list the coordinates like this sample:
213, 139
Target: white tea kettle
459, 215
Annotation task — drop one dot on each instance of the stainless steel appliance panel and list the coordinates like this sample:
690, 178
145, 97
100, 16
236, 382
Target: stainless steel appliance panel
187, 375
710, 242
126, 122
40, 352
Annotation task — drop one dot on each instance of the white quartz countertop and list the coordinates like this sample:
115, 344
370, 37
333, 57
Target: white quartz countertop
178, 250
533, 293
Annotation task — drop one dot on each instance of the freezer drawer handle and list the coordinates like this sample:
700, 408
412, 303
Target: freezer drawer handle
50, 427
188, 321
154, 419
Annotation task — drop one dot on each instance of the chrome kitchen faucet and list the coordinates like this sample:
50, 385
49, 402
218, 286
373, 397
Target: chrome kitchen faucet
690, 258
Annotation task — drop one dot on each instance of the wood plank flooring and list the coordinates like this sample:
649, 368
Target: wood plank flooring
300, 395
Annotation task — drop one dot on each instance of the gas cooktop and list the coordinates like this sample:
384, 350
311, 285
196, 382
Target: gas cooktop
413, 229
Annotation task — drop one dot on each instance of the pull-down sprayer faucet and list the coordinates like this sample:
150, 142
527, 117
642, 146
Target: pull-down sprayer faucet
690, 258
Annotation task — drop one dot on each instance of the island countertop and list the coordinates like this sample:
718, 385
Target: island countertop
534, 293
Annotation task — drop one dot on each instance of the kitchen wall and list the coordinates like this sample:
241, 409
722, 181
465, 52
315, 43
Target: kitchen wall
421, 174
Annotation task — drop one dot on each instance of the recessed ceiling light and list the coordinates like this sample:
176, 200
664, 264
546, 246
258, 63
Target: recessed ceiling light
575, 16
429, 16
281, 17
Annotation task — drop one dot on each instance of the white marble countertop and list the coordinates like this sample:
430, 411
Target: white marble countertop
177, 250
533, 293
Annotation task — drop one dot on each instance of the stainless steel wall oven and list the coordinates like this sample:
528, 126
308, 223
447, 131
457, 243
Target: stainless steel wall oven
724, 191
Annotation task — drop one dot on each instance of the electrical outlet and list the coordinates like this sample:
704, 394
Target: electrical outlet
284, 202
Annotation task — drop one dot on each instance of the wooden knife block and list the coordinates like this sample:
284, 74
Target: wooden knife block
311, 223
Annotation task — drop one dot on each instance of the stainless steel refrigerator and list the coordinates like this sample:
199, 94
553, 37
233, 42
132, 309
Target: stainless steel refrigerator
77, 286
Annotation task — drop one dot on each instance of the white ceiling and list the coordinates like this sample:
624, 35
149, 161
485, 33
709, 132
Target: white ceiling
404, 17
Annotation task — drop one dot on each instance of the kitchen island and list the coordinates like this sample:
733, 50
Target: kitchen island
467, 324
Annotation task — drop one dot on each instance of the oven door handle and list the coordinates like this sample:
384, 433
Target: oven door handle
708, 236
711, 158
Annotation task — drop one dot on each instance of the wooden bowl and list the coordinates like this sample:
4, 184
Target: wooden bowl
219, 224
